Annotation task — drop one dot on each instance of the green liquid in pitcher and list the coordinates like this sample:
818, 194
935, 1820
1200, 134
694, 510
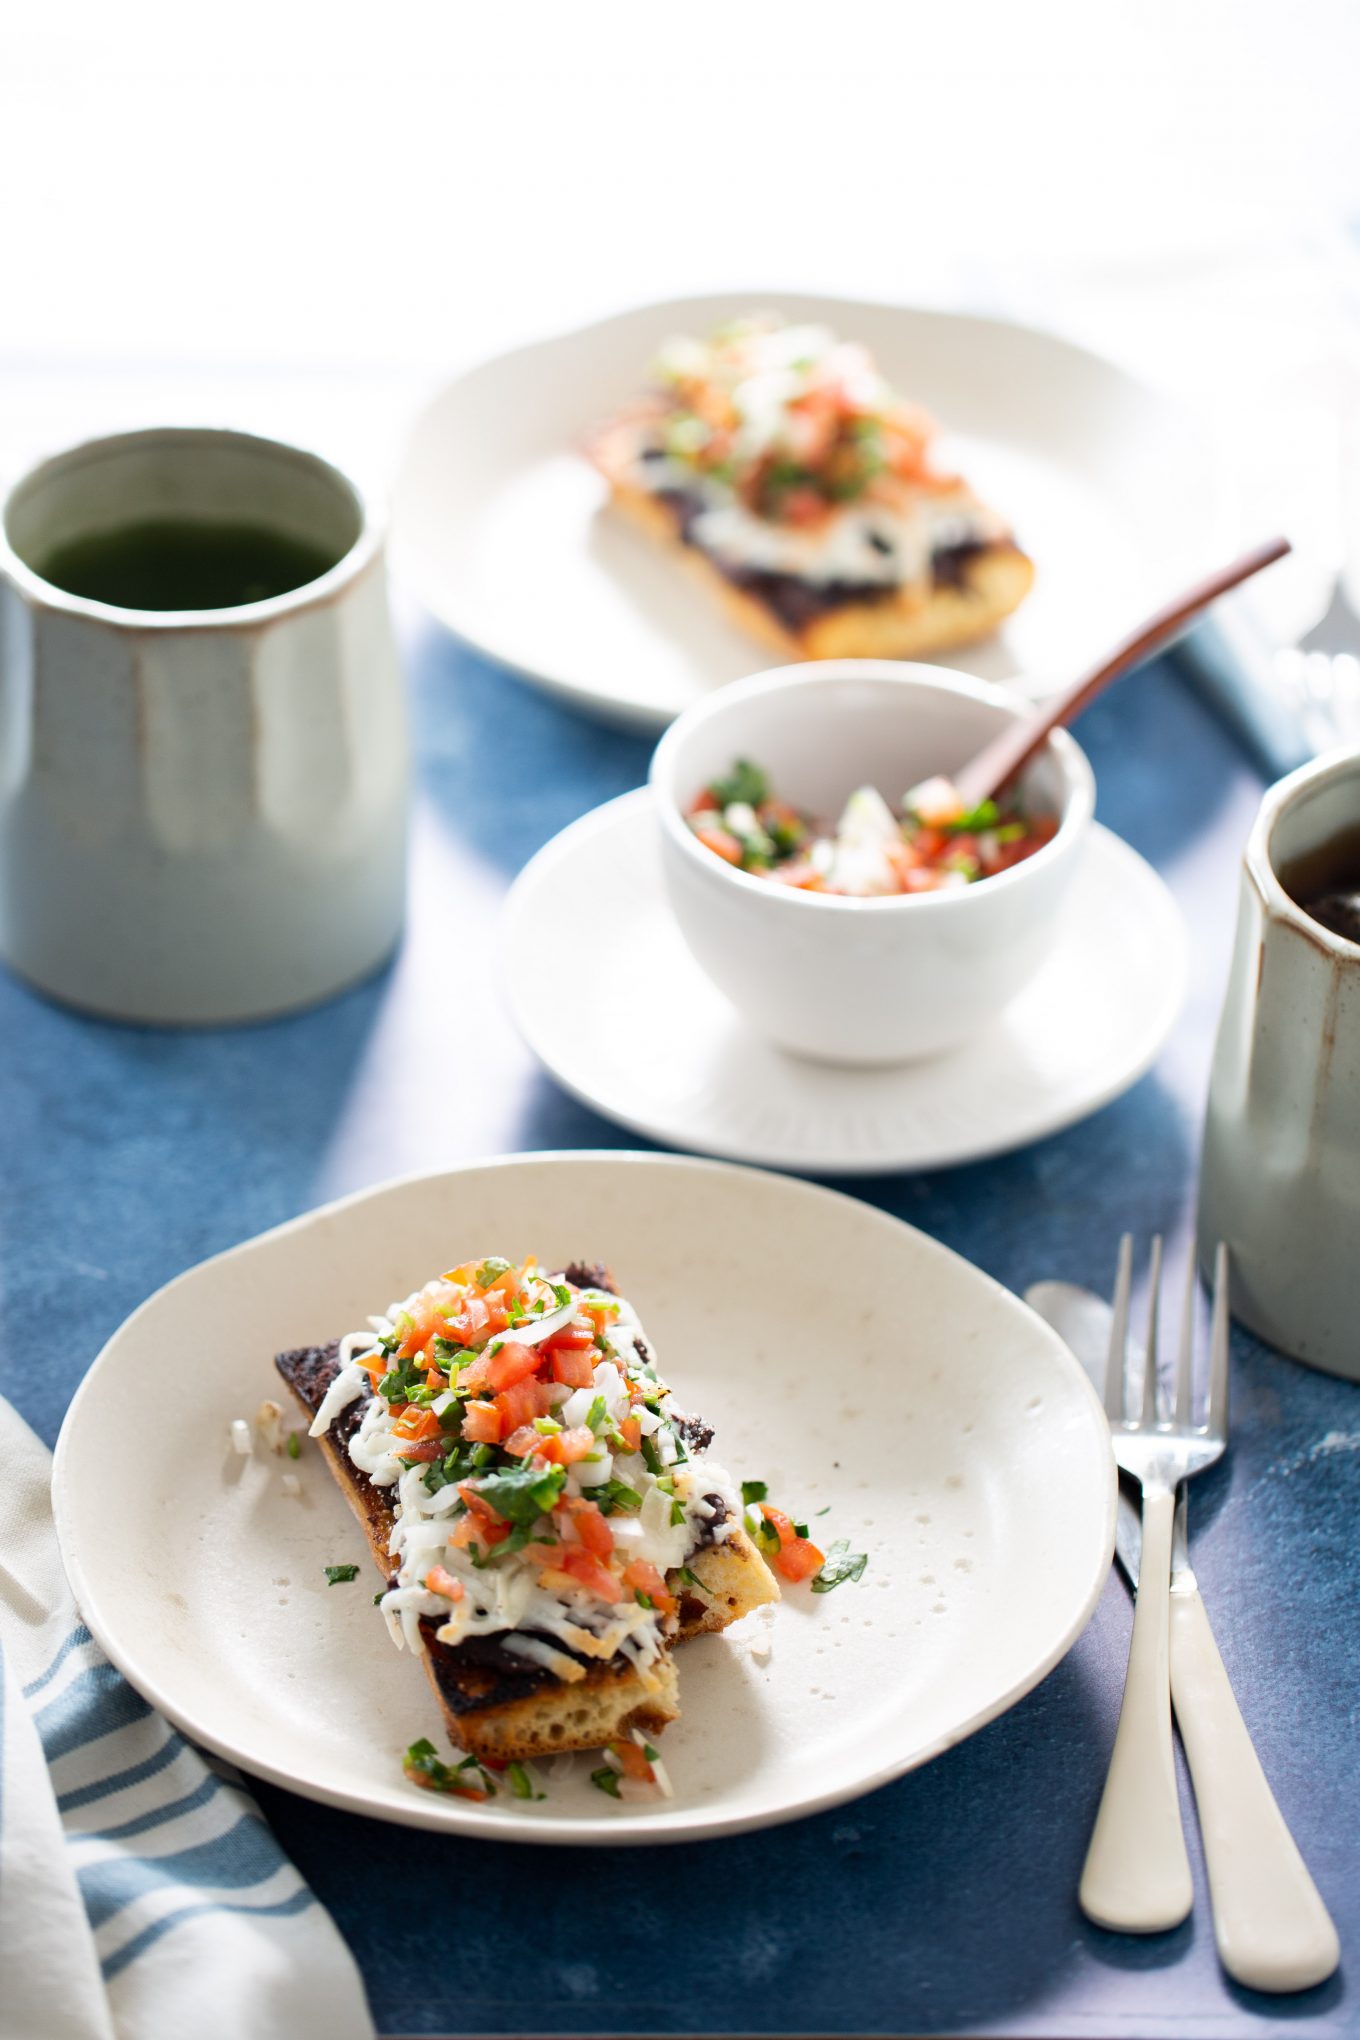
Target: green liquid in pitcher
165, 563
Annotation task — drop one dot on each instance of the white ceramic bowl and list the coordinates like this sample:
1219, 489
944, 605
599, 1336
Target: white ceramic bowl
869, 981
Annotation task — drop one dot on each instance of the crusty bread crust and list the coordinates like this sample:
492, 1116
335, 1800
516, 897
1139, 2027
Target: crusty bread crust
735, 1580
906, 623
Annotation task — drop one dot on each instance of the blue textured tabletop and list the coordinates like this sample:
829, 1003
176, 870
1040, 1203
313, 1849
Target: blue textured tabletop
946, 1902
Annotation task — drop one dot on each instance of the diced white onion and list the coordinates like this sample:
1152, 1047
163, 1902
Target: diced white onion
269, 1424
240, 1437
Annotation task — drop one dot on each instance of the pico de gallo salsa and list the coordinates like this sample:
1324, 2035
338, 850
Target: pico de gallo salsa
932, 843
545, 1491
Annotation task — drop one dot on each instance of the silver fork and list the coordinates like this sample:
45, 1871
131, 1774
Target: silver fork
1136, 1878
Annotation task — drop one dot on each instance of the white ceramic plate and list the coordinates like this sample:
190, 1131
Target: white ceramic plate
665, 1055
501, 527
955, 1440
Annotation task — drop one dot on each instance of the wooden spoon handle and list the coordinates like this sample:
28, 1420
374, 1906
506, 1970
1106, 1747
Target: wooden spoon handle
984, 775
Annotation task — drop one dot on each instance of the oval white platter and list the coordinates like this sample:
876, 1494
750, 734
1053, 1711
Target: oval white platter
847, 1360
665, 1055
502, 528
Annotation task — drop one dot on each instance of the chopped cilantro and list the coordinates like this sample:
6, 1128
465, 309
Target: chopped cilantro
336, 1575
983, 816
753, 1491
800, 1530
841, 1564
521, 1783
677, 1513
643, 1600
826, 1511
378, 1596
606, 1780
613, 1495
523, 1493
597, 1416
745, 784
489, 1270
563, 1294
692, 1579
294, 1445
424, 1766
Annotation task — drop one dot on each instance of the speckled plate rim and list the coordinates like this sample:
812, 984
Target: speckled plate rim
1202, 521
1172, 982
641, 1826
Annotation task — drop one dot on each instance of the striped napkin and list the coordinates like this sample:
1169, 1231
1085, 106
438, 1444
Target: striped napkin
141, 1893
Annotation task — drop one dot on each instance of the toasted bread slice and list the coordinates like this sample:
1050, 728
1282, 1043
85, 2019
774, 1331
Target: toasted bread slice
795, 617
735, 1580
494, 1705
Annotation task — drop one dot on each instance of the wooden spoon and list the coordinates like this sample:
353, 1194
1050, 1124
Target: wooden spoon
997, 764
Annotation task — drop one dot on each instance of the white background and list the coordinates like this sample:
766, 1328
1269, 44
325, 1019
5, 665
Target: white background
303, 213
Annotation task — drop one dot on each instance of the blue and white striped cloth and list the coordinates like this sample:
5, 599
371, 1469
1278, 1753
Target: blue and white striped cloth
142, 1896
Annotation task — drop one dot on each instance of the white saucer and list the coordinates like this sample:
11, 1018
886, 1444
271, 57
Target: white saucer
501, 527
652, 1045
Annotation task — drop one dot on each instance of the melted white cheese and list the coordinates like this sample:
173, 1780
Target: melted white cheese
504, 1595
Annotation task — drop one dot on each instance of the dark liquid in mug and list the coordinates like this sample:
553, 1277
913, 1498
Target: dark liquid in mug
165, 563
1326, 884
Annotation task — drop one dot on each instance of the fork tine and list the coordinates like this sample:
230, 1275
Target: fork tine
1185, 1360
1116, 1363
1149, 1417
1218, 1349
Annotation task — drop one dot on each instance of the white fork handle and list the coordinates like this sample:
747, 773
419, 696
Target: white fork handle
1273, 1931
1136, 1879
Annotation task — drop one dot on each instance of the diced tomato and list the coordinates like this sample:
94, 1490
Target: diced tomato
591, 1528
588, 1572
477, 1374
645, 1579
600, 1314
630, 1430
511, 1363
481, 1525
928, 843
778, 1522
427, 1315
434, 1378
525, 1439
428, 1784
440, 1580
575, 1369
702, 804
798, 1560
633, 1761
416, 1422
573, 1337
482, 1423
721, 842
505, 1285
424, 1450
803, 506
521, 1403
564, 1448
925, 880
